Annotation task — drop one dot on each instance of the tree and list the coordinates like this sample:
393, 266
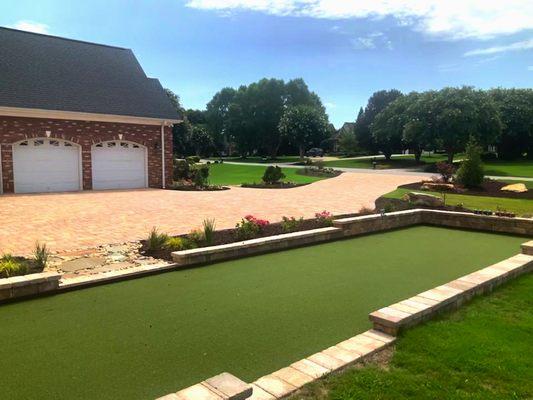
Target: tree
303, 125
388, 126
376, 103
418, 132
348, 142
516, 111
217, 116
200, 140
462, 113
175, 100
471, 172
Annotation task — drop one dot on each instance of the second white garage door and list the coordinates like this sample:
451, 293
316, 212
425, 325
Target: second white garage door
119, 165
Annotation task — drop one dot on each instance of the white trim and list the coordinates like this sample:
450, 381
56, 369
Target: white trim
80, 116
163, 178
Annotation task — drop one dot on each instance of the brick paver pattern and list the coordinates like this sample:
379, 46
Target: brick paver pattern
71, 221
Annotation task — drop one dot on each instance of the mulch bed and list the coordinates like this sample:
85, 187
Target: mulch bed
190, 188
489, 188
226, 236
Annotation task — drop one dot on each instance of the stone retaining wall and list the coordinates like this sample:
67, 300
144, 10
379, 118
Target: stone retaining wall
255, 246
28, 285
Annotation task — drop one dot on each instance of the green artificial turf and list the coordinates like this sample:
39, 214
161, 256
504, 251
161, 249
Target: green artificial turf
233, 174
510, 168
144, 338
518, 206
484, 351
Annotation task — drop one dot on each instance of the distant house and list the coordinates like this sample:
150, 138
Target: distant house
79, 116
347, 127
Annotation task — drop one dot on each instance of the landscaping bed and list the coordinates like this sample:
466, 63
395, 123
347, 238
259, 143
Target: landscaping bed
232, 235
489, 187
251, 316
278, 185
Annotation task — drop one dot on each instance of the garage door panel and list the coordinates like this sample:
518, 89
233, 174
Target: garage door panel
45, 165
118, 165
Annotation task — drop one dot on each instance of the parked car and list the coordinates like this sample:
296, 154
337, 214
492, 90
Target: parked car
315, 152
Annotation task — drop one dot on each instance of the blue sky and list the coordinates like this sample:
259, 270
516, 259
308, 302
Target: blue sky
345, 50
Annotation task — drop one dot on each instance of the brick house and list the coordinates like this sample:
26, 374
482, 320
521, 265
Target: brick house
79, 116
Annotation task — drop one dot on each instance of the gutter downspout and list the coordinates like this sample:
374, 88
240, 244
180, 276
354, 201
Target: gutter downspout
163, 177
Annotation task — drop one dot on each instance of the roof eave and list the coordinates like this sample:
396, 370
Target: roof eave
83, 116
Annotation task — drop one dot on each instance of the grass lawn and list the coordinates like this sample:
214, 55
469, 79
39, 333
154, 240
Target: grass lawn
518, 206
279, 159
231, 174
395, 162
144, 338
483, 351
510, 168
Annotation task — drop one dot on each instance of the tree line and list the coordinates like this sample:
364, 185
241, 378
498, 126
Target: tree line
262, 118
272, 117
445, 119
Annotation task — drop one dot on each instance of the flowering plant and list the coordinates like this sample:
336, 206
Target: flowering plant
324, 217
250, 227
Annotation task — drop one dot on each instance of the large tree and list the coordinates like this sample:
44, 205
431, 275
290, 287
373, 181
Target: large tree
463, 113
388, 125
516, 111
419, 132
302, 126
217, 116
376, 103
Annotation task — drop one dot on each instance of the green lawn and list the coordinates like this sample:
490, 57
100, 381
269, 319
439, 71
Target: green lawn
484, 351
517, 206
279, 159
231, 174
144, 338
395, 162
510, 168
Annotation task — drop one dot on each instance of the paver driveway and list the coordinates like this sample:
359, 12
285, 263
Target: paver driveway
70, 221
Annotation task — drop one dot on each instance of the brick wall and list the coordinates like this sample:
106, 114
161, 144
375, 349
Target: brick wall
85, 133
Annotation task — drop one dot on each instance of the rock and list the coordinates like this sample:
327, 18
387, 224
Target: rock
437, 186
424, 199
117, 257
516, 187
82, 263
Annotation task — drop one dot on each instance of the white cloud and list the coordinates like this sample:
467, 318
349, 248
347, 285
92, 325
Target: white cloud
330, 105
517, 46
31, 26
372, 41
453, 19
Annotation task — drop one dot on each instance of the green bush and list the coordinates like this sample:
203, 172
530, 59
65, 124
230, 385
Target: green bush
182, 170
193, 159
200, 175
10, 266
41, 255
156, 240
196, 236
272, 175
178, 243
291, 224
471, 172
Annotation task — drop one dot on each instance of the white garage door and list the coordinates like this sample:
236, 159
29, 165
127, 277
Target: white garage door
119, 165
46, 165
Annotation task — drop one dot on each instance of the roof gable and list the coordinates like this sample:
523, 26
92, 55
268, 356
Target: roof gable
52, 73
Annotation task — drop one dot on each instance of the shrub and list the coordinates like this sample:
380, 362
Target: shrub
10, 266
249, 227
272, 175
156, 240
200, 175
178, 243
366, 210
196, 236
41, 254
324, 218
182, 170
445, 170
291, 224
471, 172
209, 230
193, 159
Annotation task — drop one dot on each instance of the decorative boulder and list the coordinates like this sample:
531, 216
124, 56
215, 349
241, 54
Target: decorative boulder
517, 188
423, 199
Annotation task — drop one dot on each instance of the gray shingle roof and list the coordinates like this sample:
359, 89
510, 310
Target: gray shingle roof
52, 73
